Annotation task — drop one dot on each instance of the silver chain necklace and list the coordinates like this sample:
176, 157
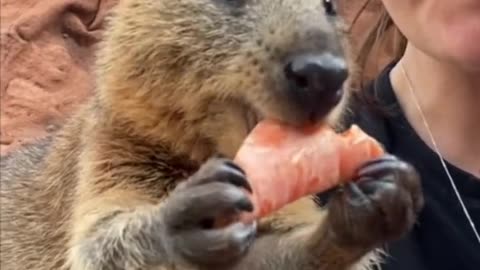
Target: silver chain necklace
410, 86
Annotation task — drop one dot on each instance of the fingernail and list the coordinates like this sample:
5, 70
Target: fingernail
245, 204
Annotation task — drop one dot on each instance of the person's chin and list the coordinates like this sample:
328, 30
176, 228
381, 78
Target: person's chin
462, 43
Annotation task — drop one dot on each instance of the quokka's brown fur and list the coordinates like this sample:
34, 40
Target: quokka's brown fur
177, 82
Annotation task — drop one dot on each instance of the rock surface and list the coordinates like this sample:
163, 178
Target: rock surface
46, 53
47, 49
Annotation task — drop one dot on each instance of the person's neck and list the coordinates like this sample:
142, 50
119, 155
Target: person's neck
450, 100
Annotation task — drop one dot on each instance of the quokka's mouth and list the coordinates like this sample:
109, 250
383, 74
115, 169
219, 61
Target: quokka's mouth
252, 118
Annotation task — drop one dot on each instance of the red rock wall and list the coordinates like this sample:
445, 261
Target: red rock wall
46, 53
47, 48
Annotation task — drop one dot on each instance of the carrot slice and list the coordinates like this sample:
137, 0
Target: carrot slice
283, 163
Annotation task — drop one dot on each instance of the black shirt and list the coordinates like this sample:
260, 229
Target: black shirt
443, 238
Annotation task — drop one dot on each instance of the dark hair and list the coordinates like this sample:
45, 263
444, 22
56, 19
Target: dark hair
382, 33
382, 36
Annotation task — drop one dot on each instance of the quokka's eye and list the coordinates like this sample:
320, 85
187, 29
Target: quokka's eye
235, 3
329, 7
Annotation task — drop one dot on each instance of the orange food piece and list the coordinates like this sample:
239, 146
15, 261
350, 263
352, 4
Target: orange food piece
283, 163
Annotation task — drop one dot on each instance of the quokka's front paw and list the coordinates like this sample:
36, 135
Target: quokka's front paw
380, 206
216, 190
